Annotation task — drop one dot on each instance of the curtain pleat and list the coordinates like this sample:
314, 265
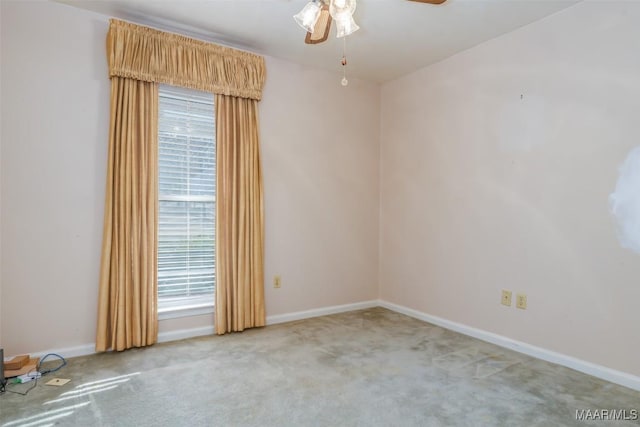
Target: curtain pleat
139, 59
148, 54
127, 312
239, 217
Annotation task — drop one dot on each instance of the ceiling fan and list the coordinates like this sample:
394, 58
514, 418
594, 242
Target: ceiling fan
317, 15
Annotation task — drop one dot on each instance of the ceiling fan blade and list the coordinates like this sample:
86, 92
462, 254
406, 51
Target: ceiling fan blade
430, 1
321, 29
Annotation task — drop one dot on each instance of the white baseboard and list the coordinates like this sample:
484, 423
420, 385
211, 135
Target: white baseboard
598, 371
185, 333
602, 372
86, 349
79, 350
316, 312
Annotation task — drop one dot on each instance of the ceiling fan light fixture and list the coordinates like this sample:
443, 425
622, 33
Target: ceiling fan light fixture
321, 30
316, 19
345, 25
339, 7
309, 15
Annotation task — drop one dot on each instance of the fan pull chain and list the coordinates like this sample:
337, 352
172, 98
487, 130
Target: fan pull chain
344, 81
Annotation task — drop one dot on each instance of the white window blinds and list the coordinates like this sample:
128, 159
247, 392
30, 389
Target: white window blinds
186, 196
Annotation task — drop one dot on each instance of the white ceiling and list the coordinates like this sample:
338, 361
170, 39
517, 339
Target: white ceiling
396, 37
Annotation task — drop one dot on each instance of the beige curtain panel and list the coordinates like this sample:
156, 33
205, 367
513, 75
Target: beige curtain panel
240, 217
139, 59
127, 307
146, 54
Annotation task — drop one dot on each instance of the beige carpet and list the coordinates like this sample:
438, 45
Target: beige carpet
366, 368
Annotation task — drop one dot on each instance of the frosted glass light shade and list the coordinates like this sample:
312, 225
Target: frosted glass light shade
309, 15
338, 7
345, 25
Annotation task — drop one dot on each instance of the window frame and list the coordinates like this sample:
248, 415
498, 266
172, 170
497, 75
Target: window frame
185, 306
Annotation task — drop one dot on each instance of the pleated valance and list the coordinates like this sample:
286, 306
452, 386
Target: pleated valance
146, 54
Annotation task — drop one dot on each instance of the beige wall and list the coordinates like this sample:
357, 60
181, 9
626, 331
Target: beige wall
320, 170
320, 152
55, 107
496, 170
1, 49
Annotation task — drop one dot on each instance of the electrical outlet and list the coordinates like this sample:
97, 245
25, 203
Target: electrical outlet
277, 282
521, 301
506, 298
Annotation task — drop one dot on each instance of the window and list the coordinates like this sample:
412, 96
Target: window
186, 199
